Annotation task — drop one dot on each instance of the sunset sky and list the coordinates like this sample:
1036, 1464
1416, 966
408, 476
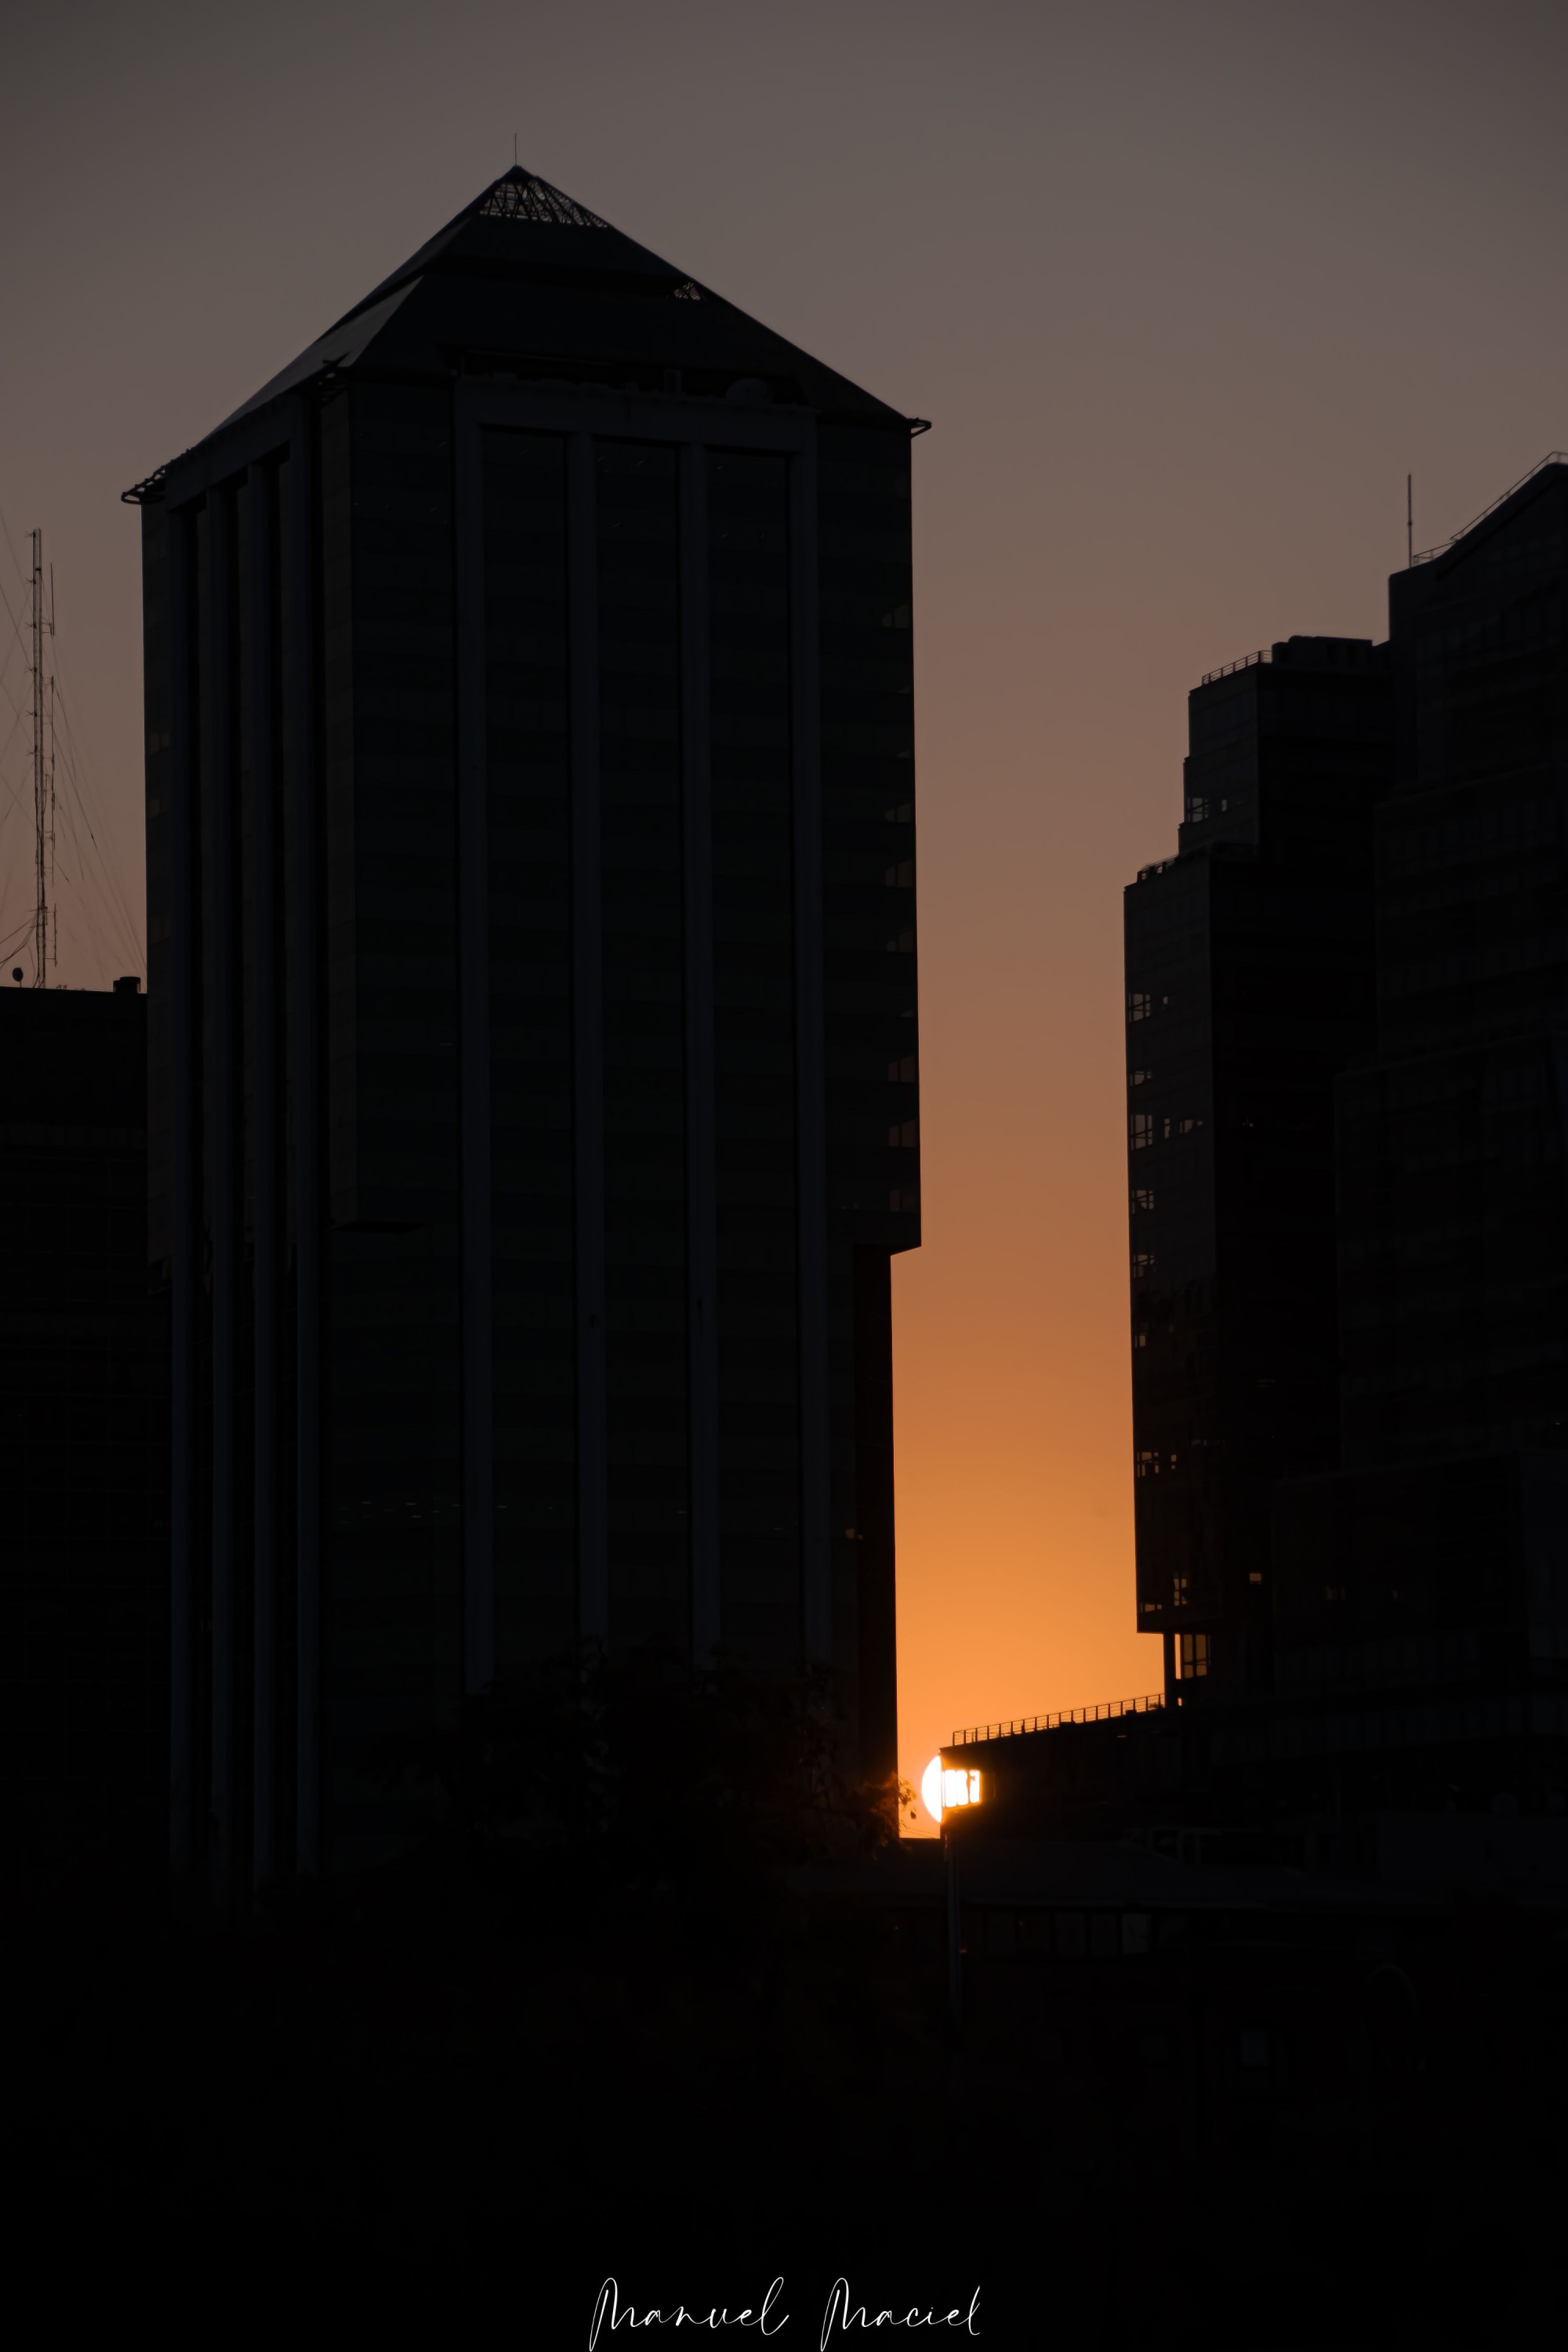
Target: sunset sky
1186, 290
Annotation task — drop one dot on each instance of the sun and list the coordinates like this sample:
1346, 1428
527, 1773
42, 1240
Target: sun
941, 1791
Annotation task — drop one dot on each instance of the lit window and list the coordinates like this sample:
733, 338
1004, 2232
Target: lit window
1198, 810
1255, 1576
1142, 1128
1180, 1587
1139, 1077
1191, 1657
1145, 1464
1139, 1005
1140, 1339
1142, 1264
1142, 1198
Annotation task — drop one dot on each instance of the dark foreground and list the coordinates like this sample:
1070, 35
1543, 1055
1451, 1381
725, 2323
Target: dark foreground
454, 2096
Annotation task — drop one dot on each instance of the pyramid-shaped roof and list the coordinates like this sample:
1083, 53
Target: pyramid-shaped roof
525, 281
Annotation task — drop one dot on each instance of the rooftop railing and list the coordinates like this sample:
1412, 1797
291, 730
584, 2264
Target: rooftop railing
1247, 661
1552, 458
1107, 1713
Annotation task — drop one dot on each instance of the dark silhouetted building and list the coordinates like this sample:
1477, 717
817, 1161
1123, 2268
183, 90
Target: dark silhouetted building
1347, 1026
1349, 1206
533, 1112
84, 1638
1249, 985
1424, 1593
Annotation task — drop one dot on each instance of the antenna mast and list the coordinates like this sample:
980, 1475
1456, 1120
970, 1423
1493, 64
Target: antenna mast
43, 776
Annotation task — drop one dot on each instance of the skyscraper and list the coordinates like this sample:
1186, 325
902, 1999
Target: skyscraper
1347, 1065
1429, 1582
1249, 985
533, 1121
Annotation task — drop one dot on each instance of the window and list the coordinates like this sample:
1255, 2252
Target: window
1197, 810
903, 815
904, 1071
1139, 1005
1104, 1935
1145, 1464
1001, 1932
900, 876
1191, 1657
1142, 1125
1139, 1077
1142, 1264
1255, 1576
1181, 1590
905, 1136
1072, 1941
904, 945
1142, 1198
1136, 1938
1140, 1339
904, 1203
1152, 1608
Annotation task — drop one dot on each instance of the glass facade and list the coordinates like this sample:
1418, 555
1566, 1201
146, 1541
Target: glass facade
391, 1623
637, 560
529, 811
754, 1066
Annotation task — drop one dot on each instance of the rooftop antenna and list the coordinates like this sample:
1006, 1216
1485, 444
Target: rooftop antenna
514, 150
1409, 524
43, 624
54, 893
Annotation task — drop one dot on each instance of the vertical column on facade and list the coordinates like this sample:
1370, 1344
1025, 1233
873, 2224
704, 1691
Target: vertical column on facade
185, 1270
805, 733
702, 1253
587, 1047
221, 1096
297, 553
474, 1066
256, 574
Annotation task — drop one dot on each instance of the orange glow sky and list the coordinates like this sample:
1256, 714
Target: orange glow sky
1186, 289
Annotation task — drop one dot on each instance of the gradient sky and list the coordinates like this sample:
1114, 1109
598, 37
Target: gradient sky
1187, 292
